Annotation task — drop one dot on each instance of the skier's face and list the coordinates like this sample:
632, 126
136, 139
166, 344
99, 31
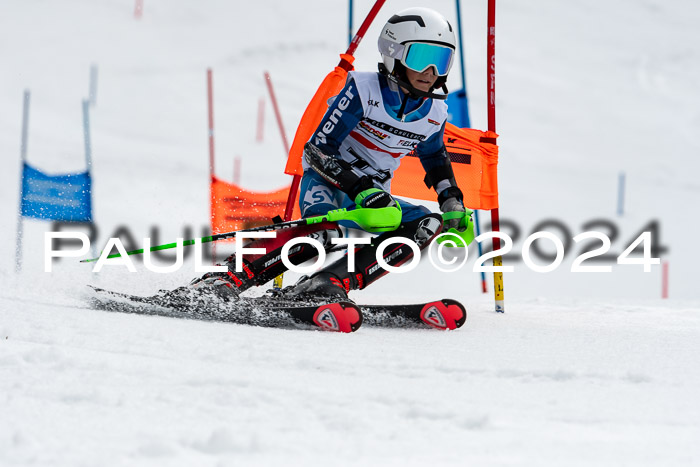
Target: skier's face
422, 81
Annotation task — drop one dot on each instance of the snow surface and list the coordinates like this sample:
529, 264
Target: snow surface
582, 369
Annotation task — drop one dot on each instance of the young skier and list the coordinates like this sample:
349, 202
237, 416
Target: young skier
376, 119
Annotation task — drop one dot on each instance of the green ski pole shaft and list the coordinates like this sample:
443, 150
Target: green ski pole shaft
211, 238
372, 220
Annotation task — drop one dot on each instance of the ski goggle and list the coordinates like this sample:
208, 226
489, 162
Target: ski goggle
420, 56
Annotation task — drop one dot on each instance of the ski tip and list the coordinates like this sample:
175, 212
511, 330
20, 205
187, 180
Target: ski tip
338, 317
444, 314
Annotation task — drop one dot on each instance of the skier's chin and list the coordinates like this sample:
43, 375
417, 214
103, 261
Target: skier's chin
423, 86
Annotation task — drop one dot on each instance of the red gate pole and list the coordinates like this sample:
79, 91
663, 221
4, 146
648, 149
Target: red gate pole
291, 199
289, 208
278, 115
491, 93
664, 280
303, 134
261, 121
138, 9
210, 105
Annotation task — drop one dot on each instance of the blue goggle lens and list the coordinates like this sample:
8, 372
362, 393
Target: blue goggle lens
419, 57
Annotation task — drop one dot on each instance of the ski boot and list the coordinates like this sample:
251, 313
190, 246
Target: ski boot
261, 268
335, 281
322, 286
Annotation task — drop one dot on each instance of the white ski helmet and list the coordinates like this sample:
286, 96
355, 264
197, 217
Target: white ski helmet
417, 38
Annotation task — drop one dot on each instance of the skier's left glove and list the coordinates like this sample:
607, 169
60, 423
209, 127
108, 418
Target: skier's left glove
457, 219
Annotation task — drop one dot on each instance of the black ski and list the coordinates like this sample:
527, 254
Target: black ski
440, 314
341, 316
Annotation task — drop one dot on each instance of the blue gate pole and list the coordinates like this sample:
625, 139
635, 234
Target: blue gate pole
350, 22
88, 159
93, 85
461, 65
621, 194
468, 122
23, 156
86, 134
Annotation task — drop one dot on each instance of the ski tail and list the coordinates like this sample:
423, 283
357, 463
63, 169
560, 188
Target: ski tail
341, 316
445, 314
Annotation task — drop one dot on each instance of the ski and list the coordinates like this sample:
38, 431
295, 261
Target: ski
340, 316
439, 314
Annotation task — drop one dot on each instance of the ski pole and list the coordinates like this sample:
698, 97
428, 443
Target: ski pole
372, 220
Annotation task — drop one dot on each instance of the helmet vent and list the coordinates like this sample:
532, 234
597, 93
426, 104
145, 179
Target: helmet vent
404, 19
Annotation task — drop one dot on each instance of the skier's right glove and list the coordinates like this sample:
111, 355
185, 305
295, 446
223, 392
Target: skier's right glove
375, 198
378, 210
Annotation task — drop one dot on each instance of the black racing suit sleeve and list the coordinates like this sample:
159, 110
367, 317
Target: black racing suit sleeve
437, 165
322, 152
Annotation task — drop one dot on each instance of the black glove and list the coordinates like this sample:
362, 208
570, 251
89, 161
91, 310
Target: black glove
375, 198
451, 202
